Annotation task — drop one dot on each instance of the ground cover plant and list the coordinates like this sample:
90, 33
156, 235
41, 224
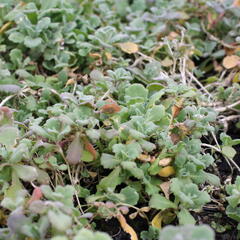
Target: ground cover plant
118, 119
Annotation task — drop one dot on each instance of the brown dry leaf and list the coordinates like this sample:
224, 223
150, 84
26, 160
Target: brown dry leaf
127, 228
185, 130
172, 35
110, 108
145, 209
175, 138
217, 66
133, 215
70, 81
165, 162
95, 55
129, 47
236, 3
176, 108
166, 171
167, 62
231, 61
92, 174
165, 186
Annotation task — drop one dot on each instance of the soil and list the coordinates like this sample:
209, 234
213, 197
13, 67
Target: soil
212, 214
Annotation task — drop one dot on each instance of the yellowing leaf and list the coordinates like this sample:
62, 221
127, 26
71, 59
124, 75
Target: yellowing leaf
144, 158
163, 217
128, 47
108, 56
236, 78
231, 61
5, 27
190, 64
157, 221
70, 81
127, 228
95, 55
166, 171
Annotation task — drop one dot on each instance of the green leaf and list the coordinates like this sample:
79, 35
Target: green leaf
14, 195
43, 24
130, 194
16, 37
85, 234
188, 232
61, 194
184, 217
8, 135
16, 56
136, 91
212, 179
87, 156
111, 181
233, 212
121, 7
59, 238
32, 42
189, 194
147, 146
230, 152
157, 201
109, 161
155, 113
60, 221
133, 169
26, 173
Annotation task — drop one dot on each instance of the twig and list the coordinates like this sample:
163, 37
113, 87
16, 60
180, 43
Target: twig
223, 109
224, 120
219, 150
6, 99
230, 118
183, 69
215, 38
71, 179
199, 84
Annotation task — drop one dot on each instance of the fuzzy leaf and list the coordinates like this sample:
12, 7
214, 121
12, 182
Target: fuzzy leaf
159, 202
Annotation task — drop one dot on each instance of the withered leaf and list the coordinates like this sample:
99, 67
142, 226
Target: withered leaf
231, 61
127, 228
128, 47
75, 150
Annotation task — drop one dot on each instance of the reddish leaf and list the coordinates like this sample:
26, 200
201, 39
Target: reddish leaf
36, 195
89, 147
110, 108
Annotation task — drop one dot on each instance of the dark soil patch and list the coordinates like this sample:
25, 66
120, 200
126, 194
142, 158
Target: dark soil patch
113, 228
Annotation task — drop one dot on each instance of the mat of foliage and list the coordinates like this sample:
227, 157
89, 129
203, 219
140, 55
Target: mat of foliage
114, 113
